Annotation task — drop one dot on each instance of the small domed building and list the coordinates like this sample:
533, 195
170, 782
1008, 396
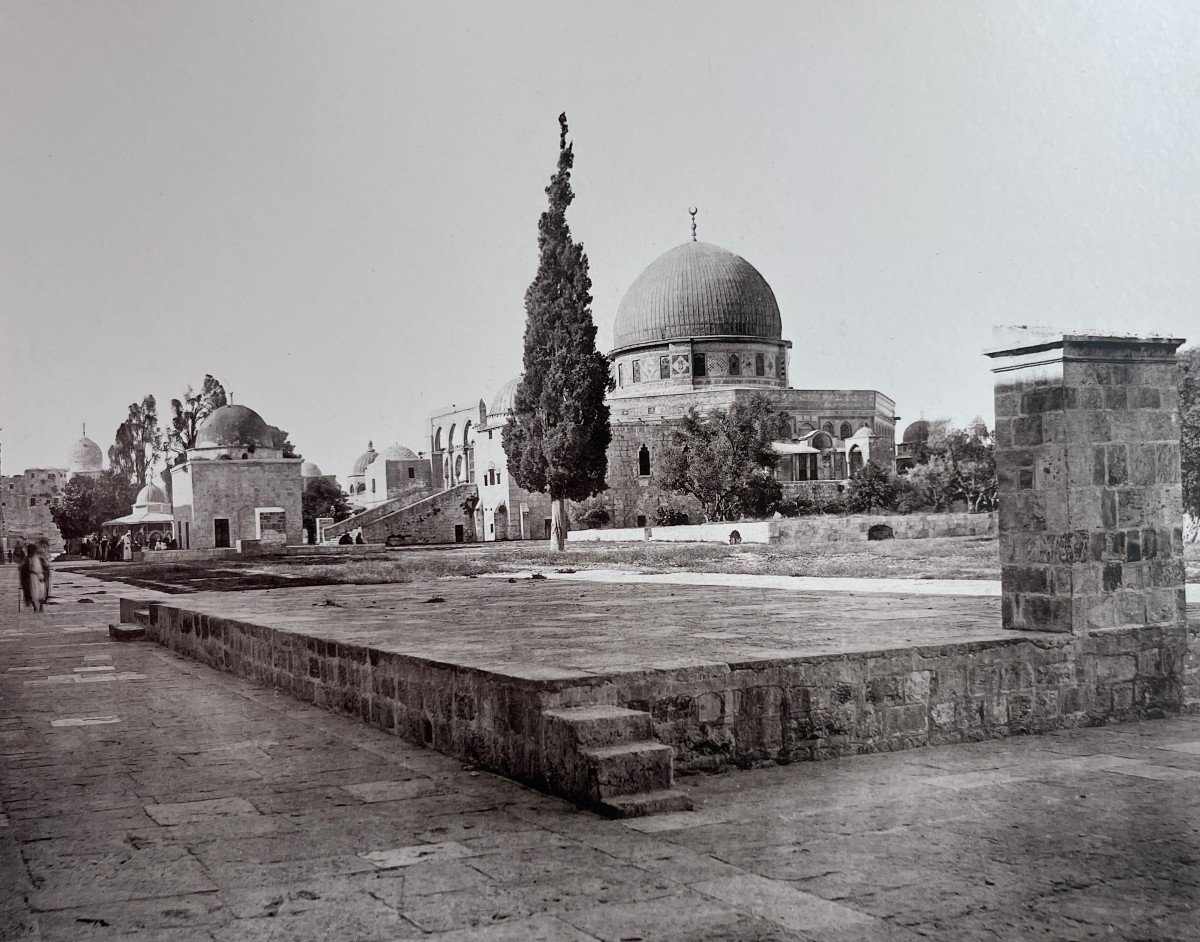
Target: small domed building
149, 521
356, 480
235, 484
393, 472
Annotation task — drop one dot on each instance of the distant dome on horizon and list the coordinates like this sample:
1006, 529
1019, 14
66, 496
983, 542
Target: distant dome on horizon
697, 290
309, 469
86, 456
364, 460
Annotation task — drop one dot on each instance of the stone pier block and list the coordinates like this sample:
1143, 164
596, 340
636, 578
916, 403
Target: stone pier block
1087, 456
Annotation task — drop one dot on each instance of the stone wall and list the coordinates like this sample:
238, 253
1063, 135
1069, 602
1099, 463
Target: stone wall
818, 528
432, 520
25, 502
204, 490
713, 716
378, 512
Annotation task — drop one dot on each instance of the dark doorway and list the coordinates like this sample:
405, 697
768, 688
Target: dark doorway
549, 528
458, 533
221, 533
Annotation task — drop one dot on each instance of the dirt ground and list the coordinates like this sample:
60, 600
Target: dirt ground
945, 558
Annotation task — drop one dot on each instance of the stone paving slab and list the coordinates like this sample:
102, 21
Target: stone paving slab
217, 810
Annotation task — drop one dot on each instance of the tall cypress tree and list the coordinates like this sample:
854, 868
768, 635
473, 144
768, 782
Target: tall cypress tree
557, 436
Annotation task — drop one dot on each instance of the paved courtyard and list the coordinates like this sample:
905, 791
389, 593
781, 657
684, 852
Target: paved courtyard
145, 794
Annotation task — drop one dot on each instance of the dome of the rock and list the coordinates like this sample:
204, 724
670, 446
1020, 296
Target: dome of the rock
697, 290
234, 427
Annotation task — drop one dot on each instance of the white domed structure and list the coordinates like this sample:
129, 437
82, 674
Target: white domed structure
397, 453
364, 460
86, 456
309, 469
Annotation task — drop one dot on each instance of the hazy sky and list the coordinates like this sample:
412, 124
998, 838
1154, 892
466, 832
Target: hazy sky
332, 206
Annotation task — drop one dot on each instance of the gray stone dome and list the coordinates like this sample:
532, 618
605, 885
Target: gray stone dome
697, 290
309, 469
398, 453
502, 402
234, 427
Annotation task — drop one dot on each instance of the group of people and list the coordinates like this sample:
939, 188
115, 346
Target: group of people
346, 539
33, 574
116, 549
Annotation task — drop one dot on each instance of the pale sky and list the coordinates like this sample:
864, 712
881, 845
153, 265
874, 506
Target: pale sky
332, 206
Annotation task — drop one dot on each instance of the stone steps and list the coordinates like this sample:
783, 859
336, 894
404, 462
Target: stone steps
644, 803
612, 761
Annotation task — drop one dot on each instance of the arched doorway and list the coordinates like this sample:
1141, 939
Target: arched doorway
856, 460
501, 522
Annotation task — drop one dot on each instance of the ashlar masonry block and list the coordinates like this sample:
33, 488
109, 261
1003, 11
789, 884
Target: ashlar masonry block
1091, 509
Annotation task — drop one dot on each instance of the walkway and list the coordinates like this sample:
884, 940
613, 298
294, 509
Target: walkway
145, 794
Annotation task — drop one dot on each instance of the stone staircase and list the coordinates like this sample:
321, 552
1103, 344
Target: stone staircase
607, 757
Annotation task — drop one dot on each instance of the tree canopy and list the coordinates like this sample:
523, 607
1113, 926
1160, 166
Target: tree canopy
187, 414
960, 465
557, 436
137, 443
88, 501
717, 457
322, 498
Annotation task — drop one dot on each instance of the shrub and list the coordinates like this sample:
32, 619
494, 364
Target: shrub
667, 515
590, 514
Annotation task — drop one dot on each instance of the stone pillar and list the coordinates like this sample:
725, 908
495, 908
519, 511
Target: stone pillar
1087, 454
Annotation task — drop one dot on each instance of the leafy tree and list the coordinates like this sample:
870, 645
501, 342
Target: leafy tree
187, 414
1189, 413
89, 501
279, 439
322, 498
871, 488
137, 443
960, 465
557, 436
590, 514
715, 457
668, 515
761, 495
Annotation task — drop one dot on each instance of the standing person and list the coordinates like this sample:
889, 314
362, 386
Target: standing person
35, 578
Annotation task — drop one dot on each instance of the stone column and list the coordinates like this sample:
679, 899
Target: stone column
1087, 453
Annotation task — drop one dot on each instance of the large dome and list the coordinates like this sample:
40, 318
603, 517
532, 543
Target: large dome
86, 456
697, 290
234, 427
309, 469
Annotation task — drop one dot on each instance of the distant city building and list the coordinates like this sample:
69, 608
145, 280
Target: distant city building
25, 502
86, 457
236, 484
356, 480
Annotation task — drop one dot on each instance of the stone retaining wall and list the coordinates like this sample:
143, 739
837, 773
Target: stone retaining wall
719, 715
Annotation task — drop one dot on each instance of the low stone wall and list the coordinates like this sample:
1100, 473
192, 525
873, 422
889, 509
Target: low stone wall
749, 531
187, 555
824, 707
715, 715
823, 528
816, 528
